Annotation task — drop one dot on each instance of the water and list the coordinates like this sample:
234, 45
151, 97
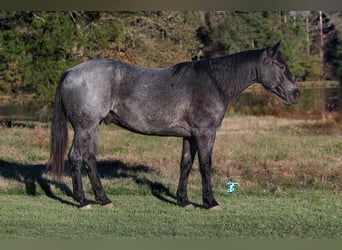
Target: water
321, 99
24, 111
256, 101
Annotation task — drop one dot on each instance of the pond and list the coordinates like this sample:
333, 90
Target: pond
257, 101
24, 110
254, 101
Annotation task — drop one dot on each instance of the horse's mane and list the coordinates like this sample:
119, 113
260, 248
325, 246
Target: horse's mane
182, 67
227, 63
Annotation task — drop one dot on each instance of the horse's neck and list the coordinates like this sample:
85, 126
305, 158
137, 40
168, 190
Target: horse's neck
234, 74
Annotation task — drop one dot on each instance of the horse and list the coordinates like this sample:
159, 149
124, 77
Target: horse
187, 100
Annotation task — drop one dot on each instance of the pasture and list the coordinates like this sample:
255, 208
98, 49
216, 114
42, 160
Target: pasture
289, 174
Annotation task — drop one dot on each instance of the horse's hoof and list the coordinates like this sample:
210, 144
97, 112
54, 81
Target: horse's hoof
216, 208
189, 206
108, 205
86, 207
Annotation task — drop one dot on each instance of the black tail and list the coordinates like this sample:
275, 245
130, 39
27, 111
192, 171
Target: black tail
59, 134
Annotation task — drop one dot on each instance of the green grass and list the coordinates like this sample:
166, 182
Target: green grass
305, 215
289, 175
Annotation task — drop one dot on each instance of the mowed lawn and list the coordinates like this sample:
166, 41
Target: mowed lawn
305, 215
289, 175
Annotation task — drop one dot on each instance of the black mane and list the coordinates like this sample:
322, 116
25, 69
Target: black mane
226, 72
207, 64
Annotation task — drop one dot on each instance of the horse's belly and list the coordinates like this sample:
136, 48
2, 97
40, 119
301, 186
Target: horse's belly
149, 125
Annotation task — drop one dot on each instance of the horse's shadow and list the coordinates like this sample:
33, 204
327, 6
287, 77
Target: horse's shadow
33, 175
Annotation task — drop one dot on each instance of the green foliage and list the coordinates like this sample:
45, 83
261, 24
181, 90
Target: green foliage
37, 46
239, 31
339, 57
249, 30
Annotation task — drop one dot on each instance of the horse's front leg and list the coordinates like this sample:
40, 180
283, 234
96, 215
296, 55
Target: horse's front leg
188, 155
205, 142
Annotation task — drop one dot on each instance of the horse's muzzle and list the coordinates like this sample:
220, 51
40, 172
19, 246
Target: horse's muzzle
293, 97
289, 97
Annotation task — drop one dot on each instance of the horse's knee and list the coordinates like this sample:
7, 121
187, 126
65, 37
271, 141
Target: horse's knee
91, 159
75, 159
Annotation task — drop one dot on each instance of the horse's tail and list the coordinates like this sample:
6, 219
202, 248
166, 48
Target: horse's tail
59, 133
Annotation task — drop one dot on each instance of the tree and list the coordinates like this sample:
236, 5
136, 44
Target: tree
37, 46
338, 61
239, 31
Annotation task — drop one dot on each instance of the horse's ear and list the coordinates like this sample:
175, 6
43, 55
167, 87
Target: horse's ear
272, 51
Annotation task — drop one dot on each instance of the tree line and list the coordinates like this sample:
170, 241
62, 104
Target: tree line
37, 47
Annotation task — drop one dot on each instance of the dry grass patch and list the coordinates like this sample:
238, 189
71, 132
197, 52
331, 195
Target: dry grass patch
279, 153
260, 152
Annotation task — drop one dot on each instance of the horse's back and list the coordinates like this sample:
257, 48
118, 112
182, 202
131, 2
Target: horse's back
98, 87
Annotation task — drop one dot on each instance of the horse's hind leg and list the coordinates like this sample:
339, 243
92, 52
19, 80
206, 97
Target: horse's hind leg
76, 161
83, 151
90, 161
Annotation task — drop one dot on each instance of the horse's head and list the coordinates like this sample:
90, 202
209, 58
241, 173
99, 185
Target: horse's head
274, 75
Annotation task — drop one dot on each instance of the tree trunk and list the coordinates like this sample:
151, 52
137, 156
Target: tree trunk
321, 52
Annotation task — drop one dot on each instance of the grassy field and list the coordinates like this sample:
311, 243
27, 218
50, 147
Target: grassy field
289, 174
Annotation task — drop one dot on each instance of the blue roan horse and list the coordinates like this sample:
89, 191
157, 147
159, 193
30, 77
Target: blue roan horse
186, 100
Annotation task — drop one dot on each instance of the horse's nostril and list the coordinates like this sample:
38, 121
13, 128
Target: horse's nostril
295, 96
296, 93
